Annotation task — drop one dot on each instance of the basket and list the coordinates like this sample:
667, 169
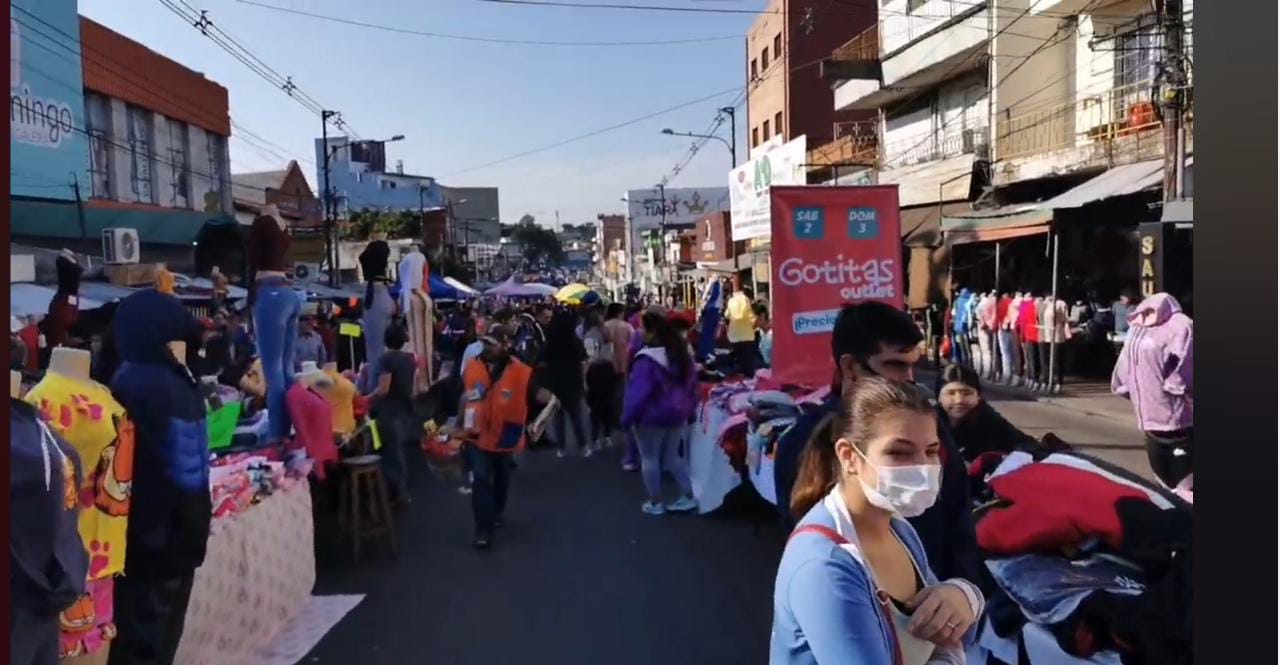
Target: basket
444, 457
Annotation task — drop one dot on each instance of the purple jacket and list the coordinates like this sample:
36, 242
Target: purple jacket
1154, 367
656, 396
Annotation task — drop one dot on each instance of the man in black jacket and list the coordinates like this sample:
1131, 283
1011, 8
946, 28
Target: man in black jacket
876, 339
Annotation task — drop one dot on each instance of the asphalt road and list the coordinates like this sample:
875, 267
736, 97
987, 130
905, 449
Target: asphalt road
578, 575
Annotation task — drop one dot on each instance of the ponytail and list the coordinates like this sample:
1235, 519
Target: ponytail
819, 468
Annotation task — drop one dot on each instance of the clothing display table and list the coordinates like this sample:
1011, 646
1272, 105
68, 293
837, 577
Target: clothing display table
258, 574
710, 471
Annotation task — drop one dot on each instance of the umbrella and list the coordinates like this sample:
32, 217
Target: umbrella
572, 293
514, 289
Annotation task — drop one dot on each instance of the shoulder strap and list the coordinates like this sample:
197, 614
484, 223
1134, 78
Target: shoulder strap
826, 532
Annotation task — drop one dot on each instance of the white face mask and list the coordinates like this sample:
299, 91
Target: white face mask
906, 490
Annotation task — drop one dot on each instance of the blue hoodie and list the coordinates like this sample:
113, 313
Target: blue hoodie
171, 507
960, 322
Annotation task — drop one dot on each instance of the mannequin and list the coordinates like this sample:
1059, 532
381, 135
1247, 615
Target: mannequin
87, 415
165, 282
221, 287
64, 309
1006, 317
379, 308
712, 307
1028, 328
167, 540
275, 316
15, 384
341, 396
417, 308
312, 417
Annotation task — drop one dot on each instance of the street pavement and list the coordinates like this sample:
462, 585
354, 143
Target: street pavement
577, 575
580, 575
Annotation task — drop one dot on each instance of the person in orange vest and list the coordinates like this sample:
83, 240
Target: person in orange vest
498, 389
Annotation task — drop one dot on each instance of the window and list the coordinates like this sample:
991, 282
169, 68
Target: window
140, 155
765, 131
777, 123
777, 45
1138, 52
755, 136
98, 118
214, 145
179, 167
764, 59
755, 73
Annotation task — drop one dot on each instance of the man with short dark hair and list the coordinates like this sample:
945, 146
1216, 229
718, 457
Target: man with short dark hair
875, 339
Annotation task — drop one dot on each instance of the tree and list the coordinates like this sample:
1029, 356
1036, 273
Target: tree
537, 243
527, 220
400, 224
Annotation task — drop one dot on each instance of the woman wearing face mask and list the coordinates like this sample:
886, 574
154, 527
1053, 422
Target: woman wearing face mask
976, 427
854, 585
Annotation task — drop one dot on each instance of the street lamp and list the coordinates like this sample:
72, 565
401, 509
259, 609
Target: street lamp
331, 231
733, 153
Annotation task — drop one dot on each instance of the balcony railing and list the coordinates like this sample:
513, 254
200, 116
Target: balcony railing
942, 144
854, 145
1116, 126
903, 25
863, 48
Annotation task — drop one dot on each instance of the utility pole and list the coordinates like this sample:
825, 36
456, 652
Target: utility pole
330, 226
733, 135
1173, 97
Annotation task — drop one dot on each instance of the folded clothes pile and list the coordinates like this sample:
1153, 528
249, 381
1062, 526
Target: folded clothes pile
1090, 563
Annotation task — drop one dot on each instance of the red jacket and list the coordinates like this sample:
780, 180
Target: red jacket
1028, 322
1002, 310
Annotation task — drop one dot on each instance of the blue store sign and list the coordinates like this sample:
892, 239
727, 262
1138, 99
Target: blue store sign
47, 140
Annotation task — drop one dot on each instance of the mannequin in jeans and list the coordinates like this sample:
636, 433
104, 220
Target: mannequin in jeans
379, 308
415, 303
276, 308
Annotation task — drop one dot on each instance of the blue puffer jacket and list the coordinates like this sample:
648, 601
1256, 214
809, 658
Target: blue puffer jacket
960, 314
656, 394
171, 508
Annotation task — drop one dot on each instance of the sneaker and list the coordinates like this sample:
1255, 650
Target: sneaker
653, 508
588, 451
630, 467
464, 490
682, 505
481, 542
560, 454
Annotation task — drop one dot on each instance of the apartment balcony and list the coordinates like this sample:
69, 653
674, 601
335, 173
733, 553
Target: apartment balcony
936, 146
854, 145
918, 49
935, 167
1109, 128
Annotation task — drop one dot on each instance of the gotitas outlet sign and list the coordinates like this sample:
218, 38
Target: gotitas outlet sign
47, 138
831, 246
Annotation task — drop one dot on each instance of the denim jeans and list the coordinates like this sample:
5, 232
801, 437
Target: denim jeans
275, 321
490, 480
660, 451
1010, 361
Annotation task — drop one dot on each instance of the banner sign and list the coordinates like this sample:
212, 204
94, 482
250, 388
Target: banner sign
831, 246
48, 147
775, 163
682, 206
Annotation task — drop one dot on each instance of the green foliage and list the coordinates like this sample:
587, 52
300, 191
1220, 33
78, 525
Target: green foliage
538, 244
400, 224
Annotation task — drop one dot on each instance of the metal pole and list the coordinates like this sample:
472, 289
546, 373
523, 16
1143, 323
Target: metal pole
1174, 30
1050, 385
330, 227
996, 288
733, 136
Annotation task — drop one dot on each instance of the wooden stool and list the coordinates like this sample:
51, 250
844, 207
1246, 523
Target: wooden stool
364, 477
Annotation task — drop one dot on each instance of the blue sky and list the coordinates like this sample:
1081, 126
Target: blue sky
461, 104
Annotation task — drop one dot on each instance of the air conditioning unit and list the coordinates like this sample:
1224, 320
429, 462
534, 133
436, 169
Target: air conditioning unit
305, 272
121, 246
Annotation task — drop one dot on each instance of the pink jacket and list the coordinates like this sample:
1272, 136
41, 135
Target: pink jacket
987, 313
1154, 367
313, 421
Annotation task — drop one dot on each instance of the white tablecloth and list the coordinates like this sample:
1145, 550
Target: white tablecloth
257, 575
709, 468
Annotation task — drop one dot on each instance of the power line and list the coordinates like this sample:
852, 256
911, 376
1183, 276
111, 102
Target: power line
587, 135
486, 40
103, 59
199, 19
868, 9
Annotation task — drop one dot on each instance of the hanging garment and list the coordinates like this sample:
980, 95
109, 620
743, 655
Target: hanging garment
341, 395
48, 558
86, 414
1154, 367
421, 335
313, 422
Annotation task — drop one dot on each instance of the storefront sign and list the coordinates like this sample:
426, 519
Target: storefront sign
47, 141
831, 246
1151, 241
651, 208
776, 164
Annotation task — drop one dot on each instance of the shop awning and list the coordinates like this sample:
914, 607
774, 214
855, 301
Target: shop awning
1004, 223
1119, 181
922, 225
158, 226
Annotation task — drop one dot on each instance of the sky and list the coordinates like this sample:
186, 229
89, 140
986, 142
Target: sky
462, 104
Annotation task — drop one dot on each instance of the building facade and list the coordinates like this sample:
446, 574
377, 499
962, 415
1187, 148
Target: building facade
787, 95
141, 141
359, 180
474, 214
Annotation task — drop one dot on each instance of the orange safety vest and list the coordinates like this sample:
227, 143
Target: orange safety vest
499, 416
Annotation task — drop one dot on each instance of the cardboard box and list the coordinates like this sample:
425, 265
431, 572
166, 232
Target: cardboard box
135, 274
